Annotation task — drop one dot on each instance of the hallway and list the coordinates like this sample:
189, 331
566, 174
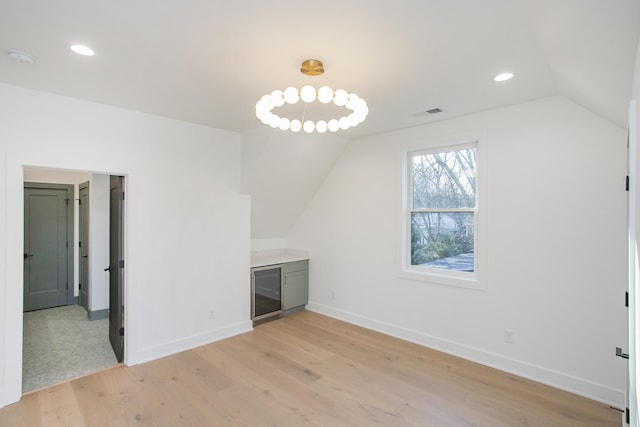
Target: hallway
61, 343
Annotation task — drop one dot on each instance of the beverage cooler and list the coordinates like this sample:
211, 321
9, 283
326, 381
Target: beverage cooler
266, 292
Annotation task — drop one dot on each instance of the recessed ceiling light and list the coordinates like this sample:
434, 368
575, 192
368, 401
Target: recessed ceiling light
19, 56
502, 77
82, 50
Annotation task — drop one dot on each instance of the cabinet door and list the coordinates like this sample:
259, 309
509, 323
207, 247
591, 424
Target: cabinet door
295, 289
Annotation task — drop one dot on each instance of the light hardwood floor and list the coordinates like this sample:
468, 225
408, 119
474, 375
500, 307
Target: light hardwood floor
306, 369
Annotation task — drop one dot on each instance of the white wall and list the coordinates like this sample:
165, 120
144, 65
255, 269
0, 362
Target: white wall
187, 240
281, 171
556, 246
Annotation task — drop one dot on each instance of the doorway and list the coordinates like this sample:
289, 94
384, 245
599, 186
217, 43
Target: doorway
87, 312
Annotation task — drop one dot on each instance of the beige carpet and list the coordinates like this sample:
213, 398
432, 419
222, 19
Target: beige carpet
61, 343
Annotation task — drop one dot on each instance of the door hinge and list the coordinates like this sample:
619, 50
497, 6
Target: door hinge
626, 299
619, 353
121, 263
628, 415
121, 331
79, 244
627, 184
66, 201
79, 286
122, 196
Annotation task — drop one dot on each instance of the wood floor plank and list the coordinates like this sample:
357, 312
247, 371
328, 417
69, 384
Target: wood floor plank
59, 407
26, 413
175, 394
307, 369
96, 404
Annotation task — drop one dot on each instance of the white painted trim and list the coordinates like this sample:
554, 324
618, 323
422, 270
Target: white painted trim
633, 273
478, 279
539, 374
13, 296
183, 344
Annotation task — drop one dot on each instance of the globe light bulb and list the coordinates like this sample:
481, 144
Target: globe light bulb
262, 113
325, 94
277, 98
264, 119
340, 97
291, 95
352, 98
296, 125
321, 126
308, 126
344, 123
333, 125
284, 123
274, 121
308, 93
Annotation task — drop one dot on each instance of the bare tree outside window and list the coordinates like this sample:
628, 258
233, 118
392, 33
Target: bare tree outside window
442, 208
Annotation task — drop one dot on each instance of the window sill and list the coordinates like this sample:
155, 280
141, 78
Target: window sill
460, 280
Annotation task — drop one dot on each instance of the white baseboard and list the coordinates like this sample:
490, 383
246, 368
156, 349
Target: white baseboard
539, 374
183, 344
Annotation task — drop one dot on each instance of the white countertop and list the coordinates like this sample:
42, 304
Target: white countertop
277, 256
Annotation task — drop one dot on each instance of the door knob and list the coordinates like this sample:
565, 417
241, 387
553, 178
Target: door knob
27, 256
619, 353
108, 268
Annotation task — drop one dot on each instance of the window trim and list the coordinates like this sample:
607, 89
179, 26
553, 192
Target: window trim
470, 280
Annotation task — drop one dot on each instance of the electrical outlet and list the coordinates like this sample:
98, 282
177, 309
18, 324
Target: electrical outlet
212, 314
509, 336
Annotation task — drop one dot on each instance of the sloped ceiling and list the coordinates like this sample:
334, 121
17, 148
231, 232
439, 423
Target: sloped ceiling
282, 171
208, 62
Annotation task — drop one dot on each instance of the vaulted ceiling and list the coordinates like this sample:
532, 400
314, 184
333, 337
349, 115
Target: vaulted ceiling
208, 62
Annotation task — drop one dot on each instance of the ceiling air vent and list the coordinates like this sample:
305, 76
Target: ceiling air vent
429, 112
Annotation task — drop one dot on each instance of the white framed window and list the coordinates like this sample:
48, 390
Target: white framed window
441, 216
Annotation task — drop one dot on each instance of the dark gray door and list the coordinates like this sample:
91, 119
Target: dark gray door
84, 245
116, 266
47, 232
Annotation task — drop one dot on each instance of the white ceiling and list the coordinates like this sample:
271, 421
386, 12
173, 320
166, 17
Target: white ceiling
208, 61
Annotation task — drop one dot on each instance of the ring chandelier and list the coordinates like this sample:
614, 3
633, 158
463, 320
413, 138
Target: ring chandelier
308, 94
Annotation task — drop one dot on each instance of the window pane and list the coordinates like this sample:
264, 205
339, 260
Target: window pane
445, 180
443, 240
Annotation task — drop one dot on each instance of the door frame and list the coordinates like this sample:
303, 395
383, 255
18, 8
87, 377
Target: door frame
11, 315
83, 222
71, 299
633, 266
